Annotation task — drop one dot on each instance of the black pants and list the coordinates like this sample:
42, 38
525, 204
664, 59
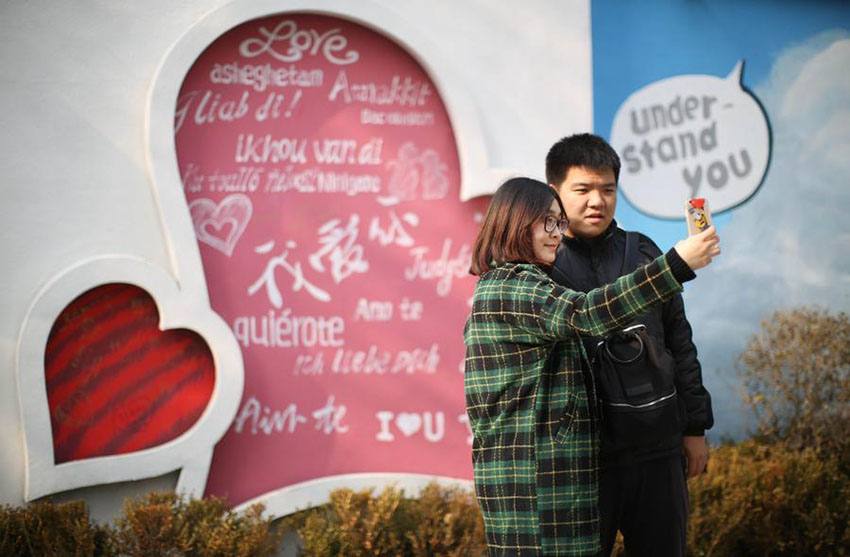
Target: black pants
648, 503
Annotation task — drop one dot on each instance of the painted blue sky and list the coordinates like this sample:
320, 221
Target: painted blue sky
788, 245
638, 43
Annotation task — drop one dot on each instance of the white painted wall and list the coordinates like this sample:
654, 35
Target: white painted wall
81, 181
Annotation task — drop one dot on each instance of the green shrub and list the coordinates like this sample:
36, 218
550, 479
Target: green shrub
47, 528
757, 499
163, 523
160, 523
449, 522
442, 521
770, 499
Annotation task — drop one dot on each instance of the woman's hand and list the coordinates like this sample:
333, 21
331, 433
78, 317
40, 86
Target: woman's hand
698, 250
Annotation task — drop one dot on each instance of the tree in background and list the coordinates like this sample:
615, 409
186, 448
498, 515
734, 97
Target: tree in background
796, 379
786, 491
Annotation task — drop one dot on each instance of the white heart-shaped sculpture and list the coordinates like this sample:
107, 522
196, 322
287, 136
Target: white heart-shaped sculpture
191, 452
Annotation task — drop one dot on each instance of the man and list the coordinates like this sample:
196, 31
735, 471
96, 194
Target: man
642, 489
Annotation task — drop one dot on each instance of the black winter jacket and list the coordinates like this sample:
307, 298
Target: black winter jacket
583, 265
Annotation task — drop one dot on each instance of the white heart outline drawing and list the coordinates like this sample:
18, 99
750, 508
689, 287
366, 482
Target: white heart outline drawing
234, 210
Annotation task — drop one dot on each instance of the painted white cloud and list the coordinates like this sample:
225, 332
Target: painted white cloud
788, 246
823, 83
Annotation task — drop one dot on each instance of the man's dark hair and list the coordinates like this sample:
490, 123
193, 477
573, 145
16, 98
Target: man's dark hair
506, 233
583, 149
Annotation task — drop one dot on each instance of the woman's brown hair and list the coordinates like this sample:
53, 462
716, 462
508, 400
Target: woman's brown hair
506, 234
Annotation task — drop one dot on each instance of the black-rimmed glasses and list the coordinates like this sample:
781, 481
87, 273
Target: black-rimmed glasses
551, 222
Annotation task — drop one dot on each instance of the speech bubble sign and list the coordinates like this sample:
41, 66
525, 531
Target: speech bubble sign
691, 136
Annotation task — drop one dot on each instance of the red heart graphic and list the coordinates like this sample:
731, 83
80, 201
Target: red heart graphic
115, 382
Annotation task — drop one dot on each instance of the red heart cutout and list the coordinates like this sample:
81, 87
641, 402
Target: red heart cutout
115, 382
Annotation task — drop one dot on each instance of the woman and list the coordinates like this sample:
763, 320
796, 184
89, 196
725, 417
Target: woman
535, 440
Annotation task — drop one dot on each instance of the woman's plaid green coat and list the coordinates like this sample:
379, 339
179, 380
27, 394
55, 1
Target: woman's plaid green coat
535, 438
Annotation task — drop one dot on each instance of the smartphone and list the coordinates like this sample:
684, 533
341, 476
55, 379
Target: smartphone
697, 214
